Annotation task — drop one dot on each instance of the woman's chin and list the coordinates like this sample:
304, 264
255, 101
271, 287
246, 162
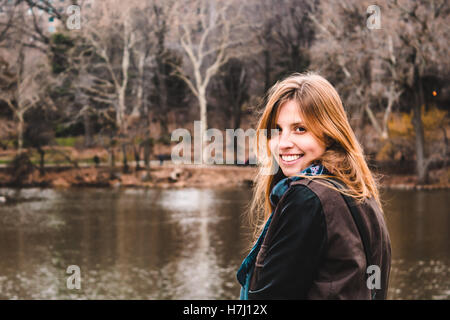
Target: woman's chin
291, 171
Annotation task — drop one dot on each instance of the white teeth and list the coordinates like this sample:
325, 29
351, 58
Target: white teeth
290, 157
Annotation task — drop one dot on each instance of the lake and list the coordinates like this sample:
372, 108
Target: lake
183, 243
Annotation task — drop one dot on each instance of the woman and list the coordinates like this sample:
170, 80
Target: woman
322, 233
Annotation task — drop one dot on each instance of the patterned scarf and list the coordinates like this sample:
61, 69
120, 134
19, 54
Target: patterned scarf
245, 271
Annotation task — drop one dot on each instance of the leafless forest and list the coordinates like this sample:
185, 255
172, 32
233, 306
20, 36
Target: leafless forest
121, 75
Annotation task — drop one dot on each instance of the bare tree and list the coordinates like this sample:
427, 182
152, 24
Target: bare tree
108, 21
420, 33
8, 10
388, 63
209, 33
354, 57
292, 35
105, 60
23, 77
231, 88
264, 30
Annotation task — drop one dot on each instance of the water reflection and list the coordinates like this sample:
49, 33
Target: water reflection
419, 225
182, 244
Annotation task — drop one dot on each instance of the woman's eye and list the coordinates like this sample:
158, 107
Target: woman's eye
300, 129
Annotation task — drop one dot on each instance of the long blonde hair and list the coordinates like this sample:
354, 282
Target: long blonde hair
323, 113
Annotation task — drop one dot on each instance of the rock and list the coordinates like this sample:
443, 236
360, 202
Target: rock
60, 183
146, 177
247, 183
115, 176
175, 175
116, 184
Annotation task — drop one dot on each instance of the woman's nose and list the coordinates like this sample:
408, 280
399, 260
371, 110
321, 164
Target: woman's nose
285, 141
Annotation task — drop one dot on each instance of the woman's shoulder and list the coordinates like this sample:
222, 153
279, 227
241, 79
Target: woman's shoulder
300, 207
332, 201
320, 191
321, 188
300, 196
300, 191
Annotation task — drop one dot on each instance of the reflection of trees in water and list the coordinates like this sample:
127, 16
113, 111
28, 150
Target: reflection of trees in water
128, 244
196, 275
200, 255
418, 224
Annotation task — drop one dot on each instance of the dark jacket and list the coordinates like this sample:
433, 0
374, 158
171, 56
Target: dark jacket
313, 250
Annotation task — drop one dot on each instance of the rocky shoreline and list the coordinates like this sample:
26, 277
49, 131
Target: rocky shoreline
170, 176
166, 176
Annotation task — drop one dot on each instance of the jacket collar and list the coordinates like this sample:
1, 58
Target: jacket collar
281, 187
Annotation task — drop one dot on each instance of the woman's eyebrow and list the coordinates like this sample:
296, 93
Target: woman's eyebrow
294, 124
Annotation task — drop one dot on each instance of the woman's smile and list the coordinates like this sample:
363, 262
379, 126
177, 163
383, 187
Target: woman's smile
290, 159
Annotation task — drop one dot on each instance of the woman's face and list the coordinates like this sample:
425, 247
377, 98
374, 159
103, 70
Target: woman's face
295, 147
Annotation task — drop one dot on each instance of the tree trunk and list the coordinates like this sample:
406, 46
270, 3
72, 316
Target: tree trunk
236, 125
41, 161
125, 167
445, 151
137, 156
20, 129
373, 119
112, 157
387, 114
123, 86
421, 167
140, 86
147, 152
19, 99
161, 86
267, 81
120, 112
204, 121
87, 130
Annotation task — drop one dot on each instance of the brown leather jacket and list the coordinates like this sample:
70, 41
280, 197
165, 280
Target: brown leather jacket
313, 249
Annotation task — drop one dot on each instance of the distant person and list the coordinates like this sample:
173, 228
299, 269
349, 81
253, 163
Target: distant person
96, 161
321, 227
162, 157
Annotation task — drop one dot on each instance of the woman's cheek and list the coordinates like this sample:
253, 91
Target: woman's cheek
273, 148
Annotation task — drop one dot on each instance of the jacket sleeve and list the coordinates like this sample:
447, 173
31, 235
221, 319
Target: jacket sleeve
294, 253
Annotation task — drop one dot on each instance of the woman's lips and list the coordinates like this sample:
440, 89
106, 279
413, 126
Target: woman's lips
289, 159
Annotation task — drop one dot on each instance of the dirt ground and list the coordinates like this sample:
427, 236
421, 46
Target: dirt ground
166, 176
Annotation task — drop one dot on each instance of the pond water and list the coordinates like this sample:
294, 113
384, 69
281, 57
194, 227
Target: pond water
182, 244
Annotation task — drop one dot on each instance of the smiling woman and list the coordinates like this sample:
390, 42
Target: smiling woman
319, 219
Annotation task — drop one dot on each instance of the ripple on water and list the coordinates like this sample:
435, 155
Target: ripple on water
423, 279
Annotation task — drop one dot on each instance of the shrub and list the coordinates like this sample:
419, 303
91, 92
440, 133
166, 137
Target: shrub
20, 167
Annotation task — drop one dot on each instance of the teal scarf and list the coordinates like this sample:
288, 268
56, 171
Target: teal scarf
245, 271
